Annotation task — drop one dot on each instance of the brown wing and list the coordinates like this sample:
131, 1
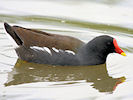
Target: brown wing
31, 37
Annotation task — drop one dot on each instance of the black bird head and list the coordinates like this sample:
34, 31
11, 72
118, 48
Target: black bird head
97, 50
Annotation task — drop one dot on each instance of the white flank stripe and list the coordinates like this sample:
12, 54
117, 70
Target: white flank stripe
70, 52
47, 49
56, 50
38, 48
42, 49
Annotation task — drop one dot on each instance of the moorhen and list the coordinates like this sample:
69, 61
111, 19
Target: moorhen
44, 48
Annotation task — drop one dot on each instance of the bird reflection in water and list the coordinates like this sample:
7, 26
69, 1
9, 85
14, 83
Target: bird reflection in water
24, 72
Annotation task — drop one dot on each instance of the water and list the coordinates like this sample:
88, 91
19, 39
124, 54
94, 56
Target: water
83, 19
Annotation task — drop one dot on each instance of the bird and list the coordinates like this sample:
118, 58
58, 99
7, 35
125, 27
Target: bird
53, 52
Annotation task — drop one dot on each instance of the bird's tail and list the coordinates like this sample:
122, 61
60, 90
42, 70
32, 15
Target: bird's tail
12, 35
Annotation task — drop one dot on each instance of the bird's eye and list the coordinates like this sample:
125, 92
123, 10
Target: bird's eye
108, 43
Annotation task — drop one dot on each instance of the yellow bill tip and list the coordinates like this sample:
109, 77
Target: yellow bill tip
123, 54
